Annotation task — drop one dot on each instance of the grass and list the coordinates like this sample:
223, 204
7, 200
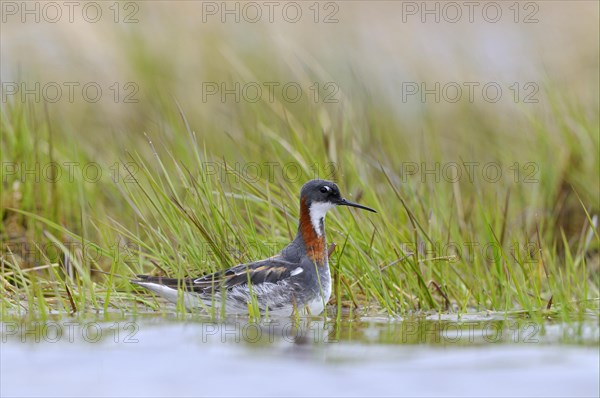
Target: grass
175, 187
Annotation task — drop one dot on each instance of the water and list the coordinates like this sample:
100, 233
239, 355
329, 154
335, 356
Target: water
157, 356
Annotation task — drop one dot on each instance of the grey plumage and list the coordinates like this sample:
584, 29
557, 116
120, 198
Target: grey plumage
297, 277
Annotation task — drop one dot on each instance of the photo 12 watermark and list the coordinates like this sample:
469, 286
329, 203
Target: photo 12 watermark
68, 171
271, 330
251, 12
290, 172
527, 252
69, 332
269, 92
452, 12
470, 332
470, 172
54, 12
70, 92
452, 92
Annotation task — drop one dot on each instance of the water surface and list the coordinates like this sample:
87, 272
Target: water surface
431, 356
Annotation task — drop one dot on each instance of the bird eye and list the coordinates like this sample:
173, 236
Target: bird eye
325, 189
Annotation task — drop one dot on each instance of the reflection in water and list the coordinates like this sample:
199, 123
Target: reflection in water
466, 331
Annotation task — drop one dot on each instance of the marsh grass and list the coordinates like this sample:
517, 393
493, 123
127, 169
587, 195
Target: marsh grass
162, 211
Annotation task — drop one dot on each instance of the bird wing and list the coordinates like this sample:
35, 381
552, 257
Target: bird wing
270, 270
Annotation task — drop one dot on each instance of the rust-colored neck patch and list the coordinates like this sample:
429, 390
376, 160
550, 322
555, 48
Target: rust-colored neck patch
315, 244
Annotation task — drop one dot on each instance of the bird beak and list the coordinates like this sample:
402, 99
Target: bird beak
345, 202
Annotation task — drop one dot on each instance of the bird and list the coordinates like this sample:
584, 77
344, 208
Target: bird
295, 280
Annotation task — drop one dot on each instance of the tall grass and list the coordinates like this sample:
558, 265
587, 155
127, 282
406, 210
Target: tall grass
173, 205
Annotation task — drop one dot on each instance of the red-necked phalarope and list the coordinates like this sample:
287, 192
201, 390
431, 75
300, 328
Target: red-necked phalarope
297, 277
